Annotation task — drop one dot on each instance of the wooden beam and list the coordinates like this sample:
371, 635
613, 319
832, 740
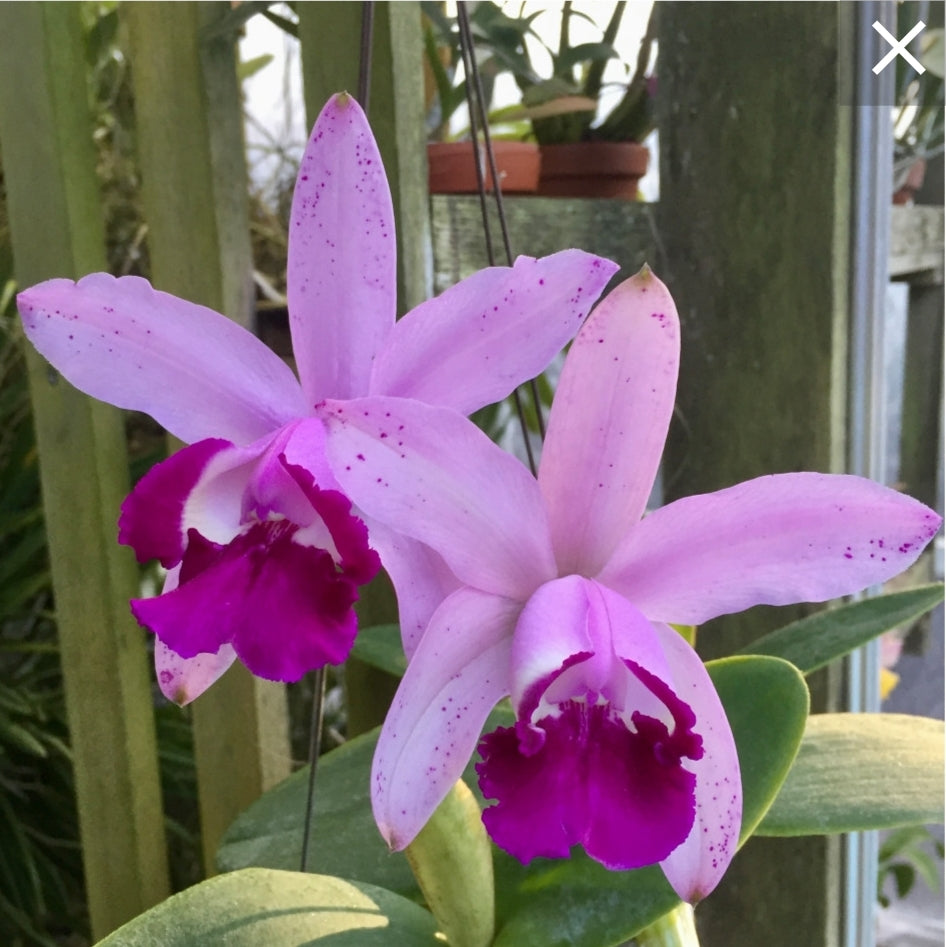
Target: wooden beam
754, 216
194, 190
56, 224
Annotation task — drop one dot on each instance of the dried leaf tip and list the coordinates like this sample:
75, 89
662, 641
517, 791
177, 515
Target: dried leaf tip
342, 99
644, 276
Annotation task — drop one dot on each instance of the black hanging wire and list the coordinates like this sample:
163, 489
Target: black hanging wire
318, 677
476, 104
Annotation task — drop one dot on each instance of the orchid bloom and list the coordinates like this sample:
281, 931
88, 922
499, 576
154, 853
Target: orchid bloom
264, 552
562, 597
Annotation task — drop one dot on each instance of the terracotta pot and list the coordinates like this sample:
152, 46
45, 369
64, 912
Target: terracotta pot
593, 169
452, 169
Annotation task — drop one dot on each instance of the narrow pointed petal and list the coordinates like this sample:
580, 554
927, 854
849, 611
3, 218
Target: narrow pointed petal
609, 422
421, 579
430, 474
341, 276
194, 371
184, 679
776, 540
458, 673
696, 866
472, 345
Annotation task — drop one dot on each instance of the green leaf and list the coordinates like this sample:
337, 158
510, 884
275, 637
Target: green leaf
261, 906
861, 771
766, 702
816, 641
380, 646
346, 841
580, 903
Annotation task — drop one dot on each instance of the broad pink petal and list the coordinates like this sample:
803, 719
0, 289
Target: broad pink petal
695, 867
341, 275
609, 421
152, 517
592, 782
776, 540
459, 672
194, 371
184, 679
421, 579
429, 473
472, 345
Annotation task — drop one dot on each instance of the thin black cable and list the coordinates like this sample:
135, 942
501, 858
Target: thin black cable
364, 61
476, 104
318, 677
315, 735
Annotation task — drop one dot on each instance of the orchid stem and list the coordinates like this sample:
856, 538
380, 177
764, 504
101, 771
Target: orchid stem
676, 928
315, 733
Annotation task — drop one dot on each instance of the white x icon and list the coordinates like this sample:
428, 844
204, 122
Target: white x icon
899, 48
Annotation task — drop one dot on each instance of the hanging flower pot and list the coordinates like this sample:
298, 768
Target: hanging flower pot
452, 170
593, 169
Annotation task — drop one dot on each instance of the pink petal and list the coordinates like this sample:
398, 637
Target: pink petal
776, 540
609, 421
430, 474
341, 274
476, 342
197, 373
459, 672
184, 679
695, 867
421, 579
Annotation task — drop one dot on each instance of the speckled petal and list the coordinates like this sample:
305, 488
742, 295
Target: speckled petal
193, 370
609, 421
696, 867
473, 344
459, 671
429, 473
184, 679
341, 276
803, 537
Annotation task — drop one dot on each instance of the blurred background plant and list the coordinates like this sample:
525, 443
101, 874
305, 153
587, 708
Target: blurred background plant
921, 105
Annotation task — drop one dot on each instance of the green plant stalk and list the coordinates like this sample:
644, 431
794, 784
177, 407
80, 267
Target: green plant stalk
453, 864
675, 929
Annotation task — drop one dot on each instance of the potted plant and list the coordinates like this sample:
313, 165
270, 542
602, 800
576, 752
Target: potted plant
579, 157
452, 162
919, 116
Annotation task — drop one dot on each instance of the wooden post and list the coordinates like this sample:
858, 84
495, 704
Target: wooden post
330, 35
194, 187
56, 223
754, 217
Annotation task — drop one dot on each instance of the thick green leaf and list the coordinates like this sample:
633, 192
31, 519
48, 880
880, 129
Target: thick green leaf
816, 641
380, 646
861, 771
346, 842
581, 904
279, 908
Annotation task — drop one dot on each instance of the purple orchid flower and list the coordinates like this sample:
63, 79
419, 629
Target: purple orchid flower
264, 552
561, 596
